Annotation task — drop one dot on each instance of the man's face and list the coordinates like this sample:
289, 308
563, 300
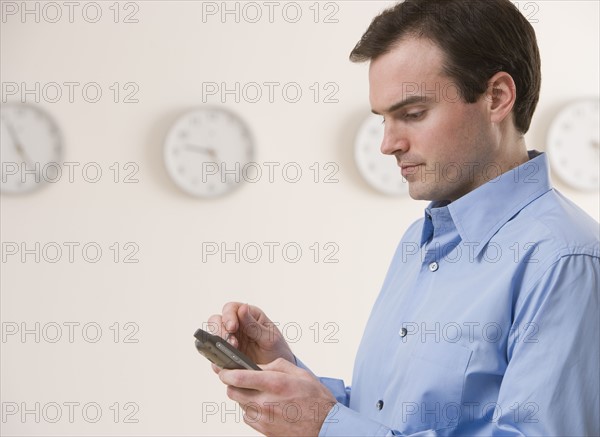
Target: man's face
444, 146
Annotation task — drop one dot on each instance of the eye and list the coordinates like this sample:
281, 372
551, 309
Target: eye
414, 115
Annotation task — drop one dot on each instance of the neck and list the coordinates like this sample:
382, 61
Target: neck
518, 155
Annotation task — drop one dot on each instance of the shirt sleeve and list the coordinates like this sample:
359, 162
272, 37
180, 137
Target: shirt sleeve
345, 422
551, 385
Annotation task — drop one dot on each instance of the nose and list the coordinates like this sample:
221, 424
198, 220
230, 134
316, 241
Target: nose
394, 141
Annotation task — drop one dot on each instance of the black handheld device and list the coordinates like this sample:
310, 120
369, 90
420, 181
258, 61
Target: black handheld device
221, 353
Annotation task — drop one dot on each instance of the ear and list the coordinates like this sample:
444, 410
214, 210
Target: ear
501, 95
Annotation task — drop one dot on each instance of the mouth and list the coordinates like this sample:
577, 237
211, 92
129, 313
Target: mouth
408, 168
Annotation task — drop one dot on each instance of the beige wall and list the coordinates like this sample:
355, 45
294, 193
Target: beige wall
169, 53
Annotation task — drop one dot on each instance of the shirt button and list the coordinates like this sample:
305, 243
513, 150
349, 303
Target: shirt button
379, 405
403, 332
433, 267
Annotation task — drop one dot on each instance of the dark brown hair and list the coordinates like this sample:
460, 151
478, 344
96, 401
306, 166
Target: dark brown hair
479, 39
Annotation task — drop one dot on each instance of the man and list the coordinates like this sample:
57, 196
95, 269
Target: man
488, 319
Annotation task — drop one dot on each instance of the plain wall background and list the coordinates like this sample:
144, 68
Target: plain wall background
169, 53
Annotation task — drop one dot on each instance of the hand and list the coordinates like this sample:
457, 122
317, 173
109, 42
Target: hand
248, 328
280, 400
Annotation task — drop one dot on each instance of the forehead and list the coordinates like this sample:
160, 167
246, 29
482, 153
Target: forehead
412, 64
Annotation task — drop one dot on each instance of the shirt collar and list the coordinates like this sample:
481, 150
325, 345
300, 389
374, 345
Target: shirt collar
478, 215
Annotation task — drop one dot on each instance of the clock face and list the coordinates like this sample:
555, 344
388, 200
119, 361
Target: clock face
573, 145
31, 148
380, 171
206, 152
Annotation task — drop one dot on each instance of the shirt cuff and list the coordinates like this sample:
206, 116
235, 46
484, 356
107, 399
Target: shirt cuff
342, 421
335, 386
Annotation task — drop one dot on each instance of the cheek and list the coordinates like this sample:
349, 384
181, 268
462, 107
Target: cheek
454, 134
441, 136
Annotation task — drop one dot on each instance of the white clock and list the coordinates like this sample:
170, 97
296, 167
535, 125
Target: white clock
207, 150
573, 145
380, 171
31, 148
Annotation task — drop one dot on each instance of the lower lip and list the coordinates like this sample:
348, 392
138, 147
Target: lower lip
408, 171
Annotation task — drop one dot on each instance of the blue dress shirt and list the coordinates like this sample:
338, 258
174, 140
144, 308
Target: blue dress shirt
487, 322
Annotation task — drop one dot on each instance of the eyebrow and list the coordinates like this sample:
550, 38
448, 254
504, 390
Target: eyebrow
408, 101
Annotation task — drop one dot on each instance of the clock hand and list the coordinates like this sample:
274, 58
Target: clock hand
199, 149
18, 146
207, 150
210, 152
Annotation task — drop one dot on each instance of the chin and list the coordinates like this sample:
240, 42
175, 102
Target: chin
419, 192
422, 192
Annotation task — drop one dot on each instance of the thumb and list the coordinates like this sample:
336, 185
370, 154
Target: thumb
282, 365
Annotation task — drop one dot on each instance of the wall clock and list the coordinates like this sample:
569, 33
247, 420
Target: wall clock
31, 148
380, 171
206, 150
573, 145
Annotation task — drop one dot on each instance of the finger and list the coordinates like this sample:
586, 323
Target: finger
252, 417
257, 327
215, 325
283, 366
216, 368
230, 316
249, 379
249, 322
256, 313
232, 340
243, 396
